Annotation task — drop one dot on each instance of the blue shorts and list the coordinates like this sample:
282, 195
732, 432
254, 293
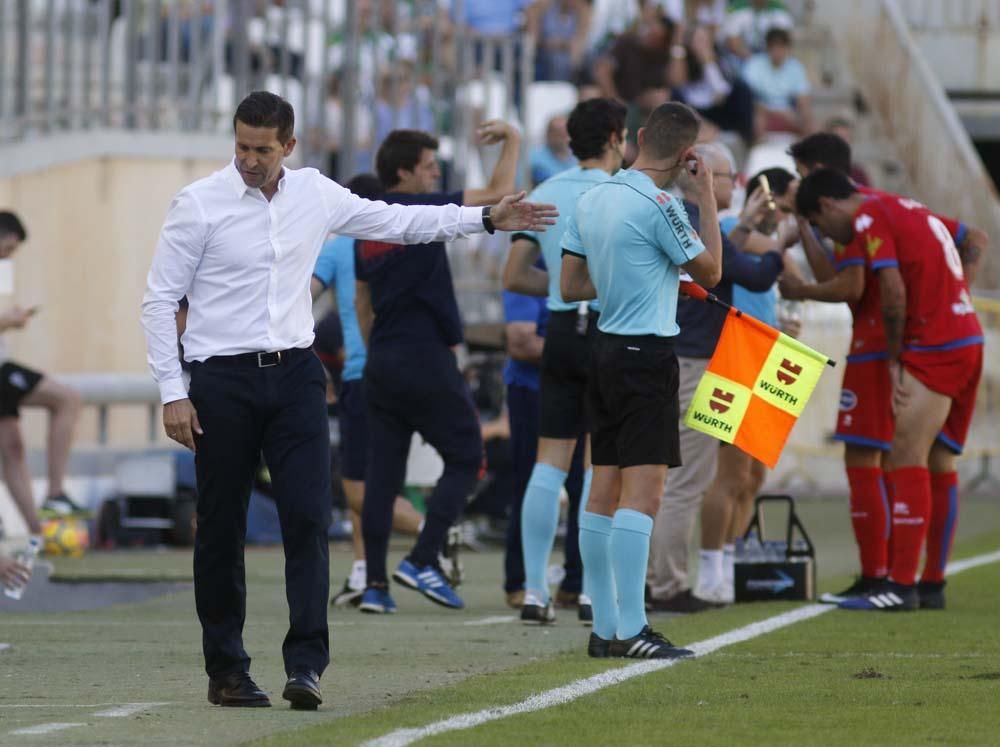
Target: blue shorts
352, 409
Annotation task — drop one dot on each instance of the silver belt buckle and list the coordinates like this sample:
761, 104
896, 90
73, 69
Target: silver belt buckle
262, 364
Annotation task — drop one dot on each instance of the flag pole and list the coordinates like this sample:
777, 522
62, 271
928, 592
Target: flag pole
692, 290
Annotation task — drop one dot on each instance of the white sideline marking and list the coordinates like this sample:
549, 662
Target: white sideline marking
128, 709
44, 729
497, 620
579, 688
4, 646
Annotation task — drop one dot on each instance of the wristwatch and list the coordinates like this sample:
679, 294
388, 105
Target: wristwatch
487, 223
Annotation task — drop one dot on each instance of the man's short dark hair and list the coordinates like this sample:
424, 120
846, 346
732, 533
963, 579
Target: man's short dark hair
365, 185
671, 128
591, 125
823, 149
822, 183
11, 224
401, 149
779, 179
266, 109
777, 35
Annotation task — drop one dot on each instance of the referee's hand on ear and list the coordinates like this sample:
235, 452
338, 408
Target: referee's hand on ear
180, 421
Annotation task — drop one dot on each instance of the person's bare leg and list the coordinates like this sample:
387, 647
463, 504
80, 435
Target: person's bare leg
743, 508
16, 474
405, 518
64, 407
731, 477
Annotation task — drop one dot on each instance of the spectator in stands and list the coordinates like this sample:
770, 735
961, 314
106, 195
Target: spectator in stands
843, 128
21, 386
781, 87
554, 155
560, 28
746, 27
699, 81
330, 131
401, 105
634, 70
493, 17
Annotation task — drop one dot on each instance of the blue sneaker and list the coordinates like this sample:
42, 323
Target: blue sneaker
890, 597
430, 582
377, 602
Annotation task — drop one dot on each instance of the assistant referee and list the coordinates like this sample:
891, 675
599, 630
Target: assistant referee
242, 244
633, 237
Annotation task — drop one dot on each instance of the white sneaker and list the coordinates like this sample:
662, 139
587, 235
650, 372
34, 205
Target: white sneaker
719, 594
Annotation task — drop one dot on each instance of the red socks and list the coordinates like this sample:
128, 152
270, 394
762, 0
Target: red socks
941, 528
870, 519
911, 510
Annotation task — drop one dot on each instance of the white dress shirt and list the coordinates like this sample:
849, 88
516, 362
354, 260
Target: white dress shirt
245, 263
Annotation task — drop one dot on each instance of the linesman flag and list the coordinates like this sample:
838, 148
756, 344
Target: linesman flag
756, 385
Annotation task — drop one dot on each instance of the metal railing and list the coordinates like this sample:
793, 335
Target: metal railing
351, 70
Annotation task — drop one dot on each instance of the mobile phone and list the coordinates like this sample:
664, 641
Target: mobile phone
766, 186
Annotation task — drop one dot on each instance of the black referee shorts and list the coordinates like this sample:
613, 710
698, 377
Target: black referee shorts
564, 372
634, 402
16, 383
352, 414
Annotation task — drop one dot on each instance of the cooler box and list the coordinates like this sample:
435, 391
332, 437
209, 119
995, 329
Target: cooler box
767, 570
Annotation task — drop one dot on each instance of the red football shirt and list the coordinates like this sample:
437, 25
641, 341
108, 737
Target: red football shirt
891, 231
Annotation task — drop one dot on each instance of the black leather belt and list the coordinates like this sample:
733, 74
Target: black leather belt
263, 359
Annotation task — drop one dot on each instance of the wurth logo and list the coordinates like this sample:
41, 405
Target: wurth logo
721, 401
788, 372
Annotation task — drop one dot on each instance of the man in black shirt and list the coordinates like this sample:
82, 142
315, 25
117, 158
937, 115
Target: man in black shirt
408, 312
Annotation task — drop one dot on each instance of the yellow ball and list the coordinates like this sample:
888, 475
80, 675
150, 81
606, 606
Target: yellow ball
66, 536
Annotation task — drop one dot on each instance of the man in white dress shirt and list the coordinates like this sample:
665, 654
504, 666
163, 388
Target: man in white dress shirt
241, 244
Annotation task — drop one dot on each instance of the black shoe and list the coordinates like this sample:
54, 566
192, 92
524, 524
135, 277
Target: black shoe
862, 586
62, 505
684, 603
302, 690
347, 596
647, 645
237, 690
597, 647
890, 597
534, 611
931, 595
585, 610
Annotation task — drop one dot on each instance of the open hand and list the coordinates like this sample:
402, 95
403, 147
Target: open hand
180, 421
512, 213
13, 574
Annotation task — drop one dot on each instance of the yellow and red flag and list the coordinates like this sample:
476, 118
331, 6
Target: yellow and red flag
755, 387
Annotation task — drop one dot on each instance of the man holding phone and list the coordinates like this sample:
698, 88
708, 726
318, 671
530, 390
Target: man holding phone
20, 385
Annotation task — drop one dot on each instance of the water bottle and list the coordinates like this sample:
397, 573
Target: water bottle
802, 547
753, 550
25, 557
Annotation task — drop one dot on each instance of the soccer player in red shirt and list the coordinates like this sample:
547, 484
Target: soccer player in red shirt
934, 348
864, 422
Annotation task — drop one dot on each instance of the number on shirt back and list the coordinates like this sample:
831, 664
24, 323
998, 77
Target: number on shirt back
951, 255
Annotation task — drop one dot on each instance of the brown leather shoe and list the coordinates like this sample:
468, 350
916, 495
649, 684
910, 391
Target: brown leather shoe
567, 600
237, 690
515, 599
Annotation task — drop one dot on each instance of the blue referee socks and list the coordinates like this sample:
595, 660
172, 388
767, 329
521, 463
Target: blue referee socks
595, 550
539, 520
630, 532
588, 477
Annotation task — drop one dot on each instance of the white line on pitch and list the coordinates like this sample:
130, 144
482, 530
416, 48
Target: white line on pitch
497, 620
44, 729
128, 709
4, 646
579, 688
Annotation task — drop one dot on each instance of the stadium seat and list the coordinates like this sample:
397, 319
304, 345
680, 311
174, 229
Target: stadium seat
546, 99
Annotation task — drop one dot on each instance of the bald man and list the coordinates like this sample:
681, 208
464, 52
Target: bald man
701, 325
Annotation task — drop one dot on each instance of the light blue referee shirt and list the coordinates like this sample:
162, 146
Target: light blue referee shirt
562, 190
335, 266
634, 237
